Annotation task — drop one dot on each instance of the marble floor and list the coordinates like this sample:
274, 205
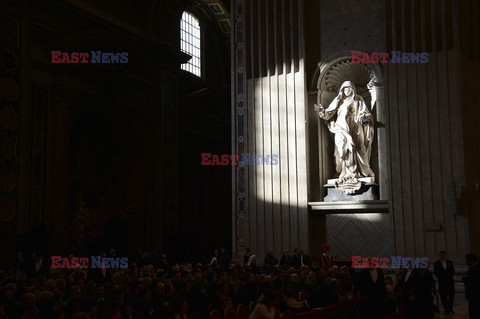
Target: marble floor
460, 307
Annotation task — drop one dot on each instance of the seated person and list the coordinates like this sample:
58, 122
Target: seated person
288, 297
326, 294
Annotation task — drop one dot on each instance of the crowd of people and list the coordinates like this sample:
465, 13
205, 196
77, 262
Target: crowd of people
151, 287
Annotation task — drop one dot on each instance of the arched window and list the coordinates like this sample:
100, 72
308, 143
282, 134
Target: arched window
190, 42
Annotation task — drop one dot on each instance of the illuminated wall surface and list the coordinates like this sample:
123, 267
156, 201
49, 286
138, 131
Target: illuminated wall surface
289, 55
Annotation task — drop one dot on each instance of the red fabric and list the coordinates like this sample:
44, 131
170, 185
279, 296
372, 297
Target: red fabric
214, 314
326, 261
242, 312
338, 309
230, 313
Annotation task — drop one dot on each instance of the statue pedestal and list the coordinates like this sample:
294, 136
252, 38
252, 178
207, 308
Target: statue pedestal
355, 224
368, 191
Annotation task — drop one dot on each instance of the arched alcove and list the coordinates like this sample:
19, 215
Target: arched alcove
368, 80
357, 226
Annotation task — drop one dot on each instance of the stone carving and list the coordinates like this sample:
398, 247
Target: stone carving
352, 125
358, 73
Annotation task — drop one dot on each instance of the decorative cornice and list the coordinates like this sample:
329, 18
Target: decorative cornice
221, 14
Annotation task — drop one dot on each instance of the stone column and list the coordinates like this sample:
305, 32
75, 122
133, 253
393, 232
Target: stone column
380, 108
239, 132
162, 220
60, 174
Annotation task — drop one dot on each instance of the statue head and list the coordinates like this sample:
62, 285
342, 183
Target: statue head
347, 90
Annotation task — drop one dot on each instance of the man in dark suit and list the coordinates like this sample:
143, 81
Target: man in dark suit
224, 259
100, 275
295, 260
444, 271
371, 284
305, 260
418, 294
472, 285
249, 259
270, 258
38, 267
286, 258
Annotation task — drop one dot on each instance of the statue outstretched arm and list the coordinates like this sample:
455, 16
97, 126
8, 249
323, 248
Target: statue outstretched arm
324, 114
319, 109
364, 116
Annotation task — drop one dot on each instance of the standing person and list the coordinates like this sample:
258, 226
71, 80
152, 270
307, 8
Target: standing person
270, 258
38, 267
215, 258
305, 259
418, 294
472, 285
390, 306
249, 259
444, 271
326, 261
371, 284
224, 259
399, 291
407, 296
424, 294
246, 256
101, 274
285, 260
295, 260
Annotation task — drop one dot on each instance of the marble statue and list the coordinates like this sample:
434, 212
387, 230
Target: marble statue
351, 123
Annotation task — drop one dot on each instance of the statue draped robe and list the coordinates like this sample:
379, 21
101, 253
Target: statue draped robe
353, 130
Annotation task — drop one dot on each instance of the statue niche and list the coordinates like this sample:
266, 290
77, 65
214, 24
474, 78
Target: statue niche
350, 120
